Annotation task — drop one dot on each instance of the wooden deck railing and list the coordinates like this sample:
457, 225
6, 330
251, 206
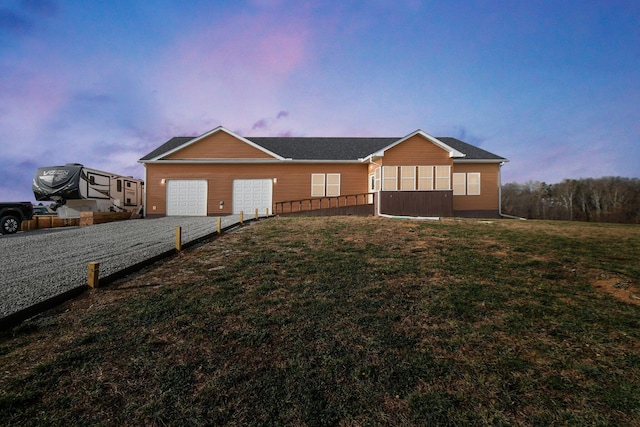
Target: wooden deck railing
304, 205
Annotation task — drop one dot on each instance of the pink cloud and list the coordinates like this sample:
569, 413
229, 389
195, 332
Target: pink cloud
260, 124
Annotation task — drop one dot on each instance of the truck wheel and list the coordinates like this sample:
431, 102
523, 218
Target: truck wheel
9, 224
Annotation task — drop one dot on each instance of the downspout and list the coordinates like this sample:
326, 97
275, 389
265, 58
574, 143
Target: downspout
144, 194
500, 196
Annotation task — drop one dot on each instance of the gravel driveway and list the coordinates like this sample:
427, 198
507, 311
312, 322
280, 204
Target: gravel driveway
38, 265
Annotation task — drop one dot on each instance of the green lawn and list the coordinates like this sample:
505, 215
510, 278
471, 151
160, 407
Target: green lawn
348, 321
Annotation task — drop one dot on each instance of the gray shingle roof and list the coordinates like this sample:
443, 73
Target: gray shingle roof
174, 142
323, 148
329, 148
472, 152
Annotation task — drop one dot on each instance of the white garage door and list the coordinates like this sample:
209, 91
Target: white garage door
251, 194
186, 197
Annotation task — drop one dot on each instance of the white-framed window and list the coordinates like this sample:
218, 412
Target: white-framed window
443, 180
473, 184
466, 184
407, 178
325, 184
459, 184
374, 180
425, 178
411, 178
389, 178
317, 185
333, 184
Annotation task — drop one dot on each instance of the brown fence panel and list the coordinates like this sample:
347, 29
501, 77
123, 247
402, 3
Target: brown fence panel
417, 203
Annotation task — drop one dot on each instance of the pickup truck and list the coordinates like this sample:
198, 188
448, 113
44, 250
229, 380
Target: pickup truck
12, 215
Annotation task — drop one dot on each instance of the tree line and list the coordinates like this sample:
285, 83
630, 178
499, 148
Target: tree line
606, 199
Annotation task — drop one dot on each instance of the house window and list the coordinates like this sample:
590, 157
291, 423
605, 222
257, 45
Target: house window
374, 180
333, 184
389, 178
443, 174
466, 184
473, 184
317, 184
425, 178
325, 184
407, 178
459, 184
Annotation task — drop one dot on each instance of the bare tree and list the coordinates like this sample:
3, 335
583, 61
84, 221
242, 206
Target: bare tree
607, 199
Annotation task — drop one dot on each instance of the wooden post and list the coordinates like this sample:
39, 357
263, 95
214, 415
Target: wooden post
256, 213
178, 238
241, 217
94, 272
219, 226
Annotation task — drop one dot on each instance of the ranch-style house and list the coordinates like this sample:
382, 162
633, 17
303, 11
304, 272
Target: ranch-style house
221, 173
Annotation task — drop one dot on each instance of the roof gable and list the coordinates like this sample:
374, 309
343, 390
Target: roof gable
186, 145
452, 152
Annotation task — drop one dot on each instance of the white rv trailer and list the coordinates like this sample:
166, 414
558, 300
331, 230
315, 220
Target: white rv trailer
75, 188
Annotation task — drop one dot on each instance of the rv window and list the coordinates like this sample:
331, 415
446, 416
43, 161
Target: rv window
128, 201
119, 186
128, 184
92, 180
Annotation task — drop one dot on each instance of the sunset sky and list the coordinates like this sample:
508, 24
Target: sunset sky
554, 86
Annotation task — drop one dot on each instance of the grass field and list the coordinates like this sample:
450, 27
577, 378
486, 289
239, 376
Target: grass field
348, 321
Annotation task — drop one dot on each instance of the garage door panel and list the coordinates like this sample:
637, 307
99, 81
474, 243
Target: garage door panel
186, 198
252, 194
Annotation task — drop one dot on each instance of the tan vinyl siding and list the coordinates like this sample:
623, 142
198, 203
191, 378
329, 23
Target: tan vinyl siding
488, 198
293, 181
219, 145
416, 151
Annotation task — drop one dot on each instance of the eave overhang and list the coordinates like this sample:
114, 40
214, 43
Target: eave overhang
480, 160
244, 161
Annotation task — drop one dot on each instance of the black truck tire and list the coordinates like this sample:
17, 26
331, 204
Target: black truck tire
9, 224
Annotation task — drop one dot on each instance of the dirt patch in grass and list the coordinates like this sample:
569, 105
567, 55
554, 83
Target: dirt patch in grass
619, 287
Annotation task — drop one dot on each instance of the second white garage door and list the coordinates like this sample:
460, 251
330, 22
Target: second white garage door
187, 197
252, 194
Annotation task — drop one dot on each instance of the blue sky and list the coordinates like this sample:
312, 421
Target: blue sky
554, 86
